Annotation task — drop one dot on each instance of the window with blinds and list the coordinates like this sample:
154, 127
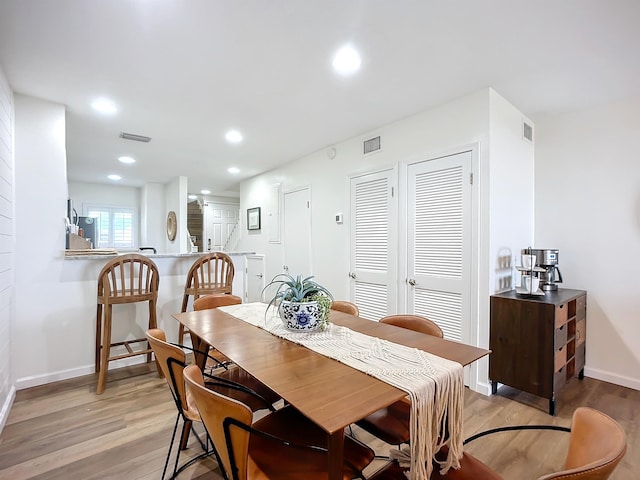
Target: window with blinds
115, 226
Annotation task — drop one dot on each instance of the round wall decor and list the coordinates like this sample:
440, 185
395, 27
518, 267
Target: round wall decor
172, 225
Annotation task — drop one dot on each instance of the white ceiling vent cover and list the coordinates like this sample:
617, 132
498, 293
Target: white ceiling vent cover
135, 138
372, 145
527, 131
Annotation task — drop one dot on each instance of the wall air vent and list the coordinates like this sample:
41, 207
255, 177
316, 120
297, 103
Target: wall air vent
372, 145
527, 131
135, 138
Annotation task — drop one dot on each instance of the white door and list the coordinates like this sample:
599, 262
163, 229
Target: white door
439, 242
373, 237
297, 232
255, 278
219, 222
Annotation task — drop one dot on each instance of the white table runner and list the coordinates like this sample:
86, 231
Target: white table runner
435, 385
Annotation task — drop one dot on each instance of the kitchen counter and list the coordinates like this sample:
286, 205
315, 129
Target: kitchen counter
102, 256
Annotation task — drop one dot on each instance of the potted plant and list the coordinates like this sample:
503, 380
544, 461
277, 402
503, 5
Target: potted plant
302, 303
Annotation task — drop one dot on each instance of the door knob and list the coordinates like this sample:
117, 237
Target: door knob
352, 275
412, 282
259, 275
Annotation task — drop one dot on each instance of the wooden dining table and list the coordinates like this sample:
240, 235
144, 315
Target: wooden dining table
329, 393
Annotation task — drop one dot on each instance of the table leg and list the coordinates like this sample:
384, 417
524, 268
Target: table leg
336, 454
200, 346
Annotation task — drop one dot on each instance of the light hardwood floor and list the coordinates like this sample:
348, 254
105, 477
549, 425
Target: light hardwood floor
64, 431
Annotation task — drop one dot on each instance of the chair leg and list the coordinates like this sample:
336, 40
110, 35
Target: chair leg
185, 301
153, 323
106, 351
184, 438
98, 337
173, 437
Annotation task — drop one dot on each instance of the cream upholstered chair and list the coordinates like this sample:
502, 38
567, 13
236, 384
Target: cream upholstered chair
210, 274
281, 445
126, 279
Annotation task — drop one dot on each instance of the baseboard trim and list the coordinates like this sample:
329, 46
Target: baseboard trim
37, 380
606, 376
6, 408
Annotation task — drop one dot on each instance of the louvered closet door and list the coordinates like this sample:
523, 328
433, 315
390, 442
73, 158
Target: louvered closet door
439, 227
373, 243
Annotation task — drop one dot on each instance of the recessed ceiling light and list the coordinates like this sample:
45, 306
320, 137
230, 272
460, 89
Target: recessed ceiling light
127, 160
346, 61
114, 177
233, 136
205, 192
104, 105
233, 170
193, 197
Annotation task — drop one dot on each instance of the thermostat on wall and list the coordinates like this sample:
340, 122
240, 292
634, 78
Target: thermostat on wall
338, 218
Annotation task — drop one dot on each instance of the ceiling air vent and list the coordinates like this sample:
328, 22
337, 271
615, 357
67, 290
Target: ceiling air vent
135, 138
372, 145
527, 131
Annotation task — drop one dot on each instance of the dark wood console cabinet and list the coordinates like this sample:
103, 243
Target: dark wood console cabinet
537, 342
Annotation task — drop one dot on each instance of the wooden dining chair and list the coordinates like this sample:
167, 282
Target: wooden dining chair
391, 424
126, 279
346, 307
233, 382
597, 444
281, 445
210, 273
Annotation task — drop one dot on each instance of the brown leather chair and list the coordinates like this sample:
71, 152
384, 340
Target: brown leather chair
126, 279
416, 323
246, 453
470, 469
215, 300
346, 307
596, 446
391, 424
210, 273
233, 382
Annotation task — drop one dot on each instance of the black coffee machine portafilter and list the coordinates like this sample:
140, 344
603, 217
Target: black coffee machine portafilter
547, 259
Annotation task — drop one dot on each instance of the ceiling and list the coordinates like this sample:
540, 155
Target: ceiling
185, 72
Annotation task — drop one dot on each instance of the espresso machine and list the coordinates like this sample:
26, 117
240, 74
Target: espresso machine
547, 260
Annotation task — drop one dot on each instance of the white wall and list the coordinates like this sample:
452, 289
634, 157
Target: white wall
468, 121
7, 246
588, 207
510, 210
43, 299
153, 220
176, 200
423, 136
84, 194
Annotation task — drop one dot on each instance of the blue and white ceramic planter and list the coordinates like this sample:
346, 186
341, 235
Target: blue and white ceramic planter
300, 316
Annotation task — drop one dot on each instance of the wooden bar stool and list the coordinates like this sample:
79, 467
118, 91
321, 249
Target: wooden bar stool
126, 279
211, 273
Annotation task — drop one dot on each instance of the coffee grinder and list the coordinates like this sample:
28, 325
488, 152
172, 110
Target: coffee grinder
547, 259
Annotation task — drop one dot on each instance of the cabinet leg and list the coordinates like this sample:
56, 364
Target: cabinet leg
581, 374
494, 388
552, 406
